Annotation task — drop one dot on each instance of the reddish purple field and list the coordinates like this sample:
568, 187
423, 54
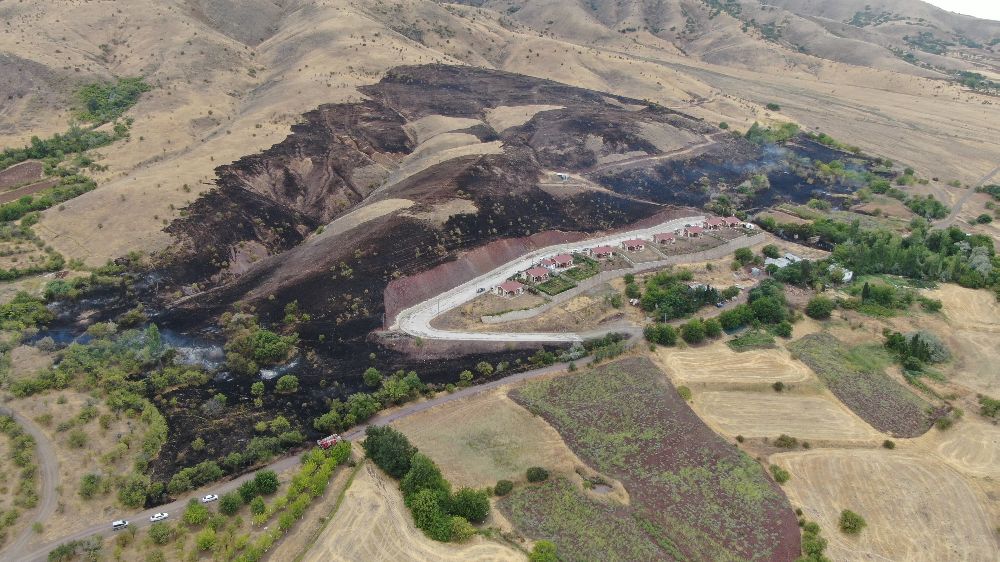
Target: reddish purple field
693, 495
14, 195
19, 174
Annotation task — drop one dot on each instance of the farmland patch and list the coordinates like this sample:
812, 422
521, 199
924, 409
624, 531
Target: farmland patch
759, 414
865, 388
916, 508
692, 493
717, 363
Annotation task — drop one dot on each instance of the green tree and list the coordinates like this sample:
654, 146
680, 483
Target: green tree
423, 475
372, 377
851, 523
744, 255
461, 530
161, 532
230, 503
484, 368
287, 384
543, 551
257, 389
248, 490
266, 482
428, 515
713, 328
465, 378
693, 331
195, 513
473, 505
820, 307
389, 449
257, 505
205, 539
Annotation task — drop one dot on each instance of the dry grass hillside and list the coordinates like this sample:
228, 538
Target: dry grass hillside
231, 77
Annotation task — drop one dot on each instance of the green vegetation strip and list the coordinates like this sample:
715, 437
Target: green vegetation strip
692, 494
857, 377
21, 451
329, 516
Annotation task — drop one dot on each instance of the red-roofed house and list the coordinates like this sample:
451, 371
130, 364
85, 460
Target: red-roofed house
715, 223
733, 222
693, 231
509, 289
536, 274
558, 262
602, 252
664, 239
634, 245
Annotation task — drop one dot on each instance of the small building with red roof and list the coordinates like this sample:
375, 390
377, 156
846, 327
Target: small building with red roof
693, 231
634, 245
602, 252
715, 223
561, 261
509, 289
665, 238
733, 222
536, 274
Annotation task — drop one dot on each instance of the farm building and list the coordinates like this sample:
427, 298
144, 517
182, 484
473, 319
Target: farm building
536, 274
602, 252
693, 231
509, 289
664, 239
558, 262
634, 245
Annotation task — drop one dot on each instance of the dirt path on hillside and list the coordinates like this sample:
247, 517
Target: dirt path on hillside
626, 163
48, 466
957, 207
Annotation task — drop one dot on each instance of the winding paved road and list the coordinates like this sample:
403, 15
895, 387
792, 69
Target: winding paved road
48, 467
416, 319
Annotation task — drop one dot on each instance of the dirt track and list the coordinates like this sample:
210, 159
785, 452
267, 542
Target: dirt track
49, 467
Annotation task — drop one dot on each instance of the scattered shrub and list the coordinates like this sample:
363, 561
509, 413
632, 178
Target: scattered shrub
786, 441
543, 551
230, 503
851, 523
537, 474
472, 505
684, 393
820, 307
778, 386
503, 487
889, 444
780, 475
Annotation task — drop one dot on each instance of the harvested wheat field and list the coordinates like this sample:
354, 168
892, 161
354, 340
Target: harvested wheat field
760, 414
373, 525
972, 447
717, 363
966, 307
486, 438
916, 508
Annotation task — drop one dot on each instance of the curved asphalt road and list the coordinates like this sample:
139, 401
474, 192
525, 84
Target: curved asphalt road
48, 467
416, 319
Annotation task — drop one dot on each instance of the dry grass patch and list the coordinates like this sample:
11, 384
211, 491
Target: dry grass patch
102, 452
916, 508
507, 116
758, 414
972, 447
486, 438
372, 524
717, 363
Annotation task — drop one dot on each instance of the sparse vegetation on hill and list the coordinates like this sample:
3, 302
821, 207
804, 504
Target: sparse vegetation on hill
105, 102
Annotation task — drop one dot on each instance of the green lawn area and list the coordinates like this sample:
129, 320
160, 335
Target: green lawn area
555, 285
585, 268
751, 339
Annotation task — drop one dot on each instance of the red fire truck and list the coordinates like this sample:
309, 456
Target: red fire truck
328, 441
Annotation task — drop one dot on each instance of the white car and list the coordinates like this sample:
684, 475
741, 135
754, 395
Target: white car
158, 517
209, 498
119, 525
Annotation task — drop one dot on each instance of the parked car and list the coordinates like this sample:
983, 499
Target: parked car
209, 498
119, 525
158, 517
481, 290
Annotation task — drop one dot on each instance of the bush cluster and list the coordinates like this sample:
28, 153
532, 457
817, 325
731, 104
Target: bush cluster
442, 515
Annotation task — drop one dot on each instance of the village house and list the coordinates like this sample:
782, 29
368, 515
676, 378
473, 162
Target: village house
693, 231
715, 223
602, 252
561, 261
664, 239
634, 245
536, 274
733, 222
509, 289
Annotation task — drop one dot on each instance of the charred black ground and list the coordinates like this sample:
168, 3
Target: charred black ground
254, 242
